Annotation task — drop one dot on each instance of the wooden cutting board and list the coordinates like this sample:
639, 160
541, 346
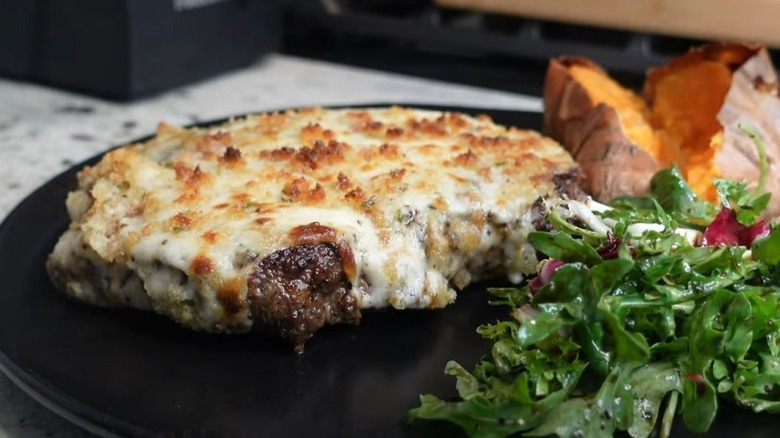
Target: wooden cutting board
735, 20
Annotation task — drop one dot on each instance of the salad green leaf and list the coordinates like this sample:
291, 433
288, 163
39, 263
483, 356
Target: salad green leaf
672, 192
625, 331
735, 195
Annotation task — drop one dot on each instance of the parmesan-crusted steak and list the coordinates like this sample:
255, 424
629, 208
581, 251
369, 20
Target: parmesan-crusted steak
301, 219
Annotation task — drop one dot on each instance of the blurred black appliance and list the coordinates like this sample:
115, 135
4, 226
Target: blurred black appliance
123, 49
486, 49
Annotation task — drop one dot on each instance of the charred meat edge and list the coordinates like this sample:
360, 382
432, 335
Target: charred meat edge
567, 185
299, 289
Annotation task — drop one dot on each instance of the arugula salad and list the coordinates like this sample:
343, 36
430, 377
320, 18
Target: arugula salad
643, 310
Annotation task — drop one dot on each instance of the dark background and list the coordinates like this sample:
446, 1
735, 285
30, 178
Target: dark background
125, 49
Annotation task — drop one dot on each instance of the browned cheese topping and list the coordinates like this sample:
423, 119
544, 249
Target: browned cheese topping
300, 219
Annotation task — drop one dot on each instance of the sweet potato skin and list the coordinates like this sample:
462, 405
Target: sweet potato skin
611, 164
752, 101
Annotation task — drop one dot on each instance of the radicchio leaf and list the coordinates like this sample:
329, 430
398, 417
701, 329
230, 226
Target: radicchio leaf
726, 230
545, 274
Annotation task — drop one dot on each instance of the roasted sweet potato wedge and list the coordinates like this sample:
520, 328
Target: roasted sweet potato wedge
603, 125
691, 112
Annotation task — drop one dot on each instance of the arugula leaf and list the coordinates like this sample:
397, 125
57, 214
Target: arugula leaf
625, 330
651, 384
736, 196
767, 249
763, 161
501, 405
564, 247
678, 199
596, 416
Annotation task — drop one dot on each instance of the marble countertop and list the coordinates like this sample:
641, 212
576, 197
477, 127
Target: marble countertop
45, 131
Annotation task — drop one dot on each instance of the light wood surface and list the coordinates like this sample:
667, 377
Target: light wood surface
733, 20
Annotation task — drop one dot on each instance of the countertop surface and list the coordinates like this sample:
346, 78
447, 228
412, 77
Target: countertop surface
45, 131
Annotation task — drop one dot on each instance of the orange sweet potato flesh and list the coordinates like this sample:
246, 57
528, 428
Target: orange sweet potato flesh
689, 114
685, 97
633, 110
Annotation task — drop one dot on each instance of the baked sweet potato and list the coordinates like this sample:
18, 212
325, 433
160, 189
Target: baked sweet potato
691, 113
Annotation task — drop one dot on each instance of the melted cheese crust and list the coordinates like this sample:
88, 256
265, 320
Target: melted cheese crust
423, 199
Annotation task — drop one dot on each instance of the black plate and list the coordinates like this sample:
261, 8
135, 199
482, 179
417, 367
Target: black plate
132, 373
